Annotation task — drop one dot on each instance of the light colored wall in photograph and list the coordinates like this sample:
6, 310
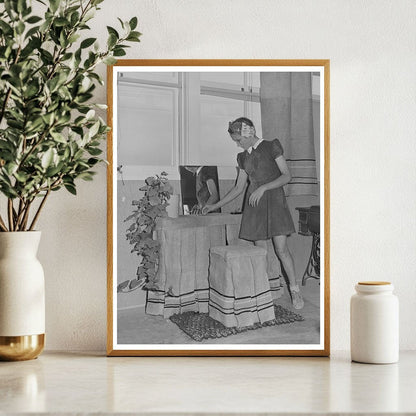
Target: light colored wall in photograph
373, 146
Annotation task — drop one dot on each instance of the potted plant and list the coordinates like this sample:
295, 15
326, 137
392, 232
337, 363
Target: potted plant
147, 211
50, 136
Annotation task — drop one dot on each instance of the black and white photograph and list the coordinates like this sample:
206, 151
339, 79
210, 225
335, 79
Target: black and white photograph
218, 208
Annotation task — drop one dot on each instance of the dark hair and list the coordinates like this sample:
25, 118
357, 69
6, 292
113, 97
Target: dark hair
236, 125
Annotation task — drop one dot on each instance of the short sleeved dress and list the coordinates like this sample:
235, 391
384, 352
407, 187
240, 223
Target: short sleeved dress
271, 217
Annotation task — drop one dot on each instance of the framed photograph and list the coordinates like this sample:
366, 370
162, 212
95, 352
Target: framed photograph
218, 206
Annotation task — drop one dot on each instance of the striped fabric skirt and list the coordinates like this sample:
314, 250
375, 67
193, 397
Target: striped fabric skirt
239, 293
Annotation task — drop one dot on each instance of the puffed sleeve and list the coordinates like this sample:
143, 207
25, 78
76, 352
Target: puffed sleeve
277, 149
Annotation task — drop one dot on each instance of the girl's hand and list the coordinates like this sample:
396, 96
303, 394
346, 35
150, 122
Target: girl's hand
196, 209
256, 196
208, 208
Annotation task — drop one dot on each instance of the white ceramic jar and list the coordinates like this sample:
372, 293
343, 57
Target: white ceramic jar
374, 323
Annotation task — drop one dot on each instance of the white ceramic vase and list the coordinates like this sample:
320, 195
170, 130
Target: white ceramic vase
22, 296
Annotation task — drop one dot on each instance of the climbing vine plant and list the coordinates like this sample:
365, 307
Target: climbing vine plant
147, 210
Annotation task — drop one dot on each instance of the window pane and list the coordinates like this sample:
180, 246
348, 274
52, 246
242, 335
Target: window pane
217, 148
151, 76
147, 125
316, 85
254, 114
255, 79
231, 80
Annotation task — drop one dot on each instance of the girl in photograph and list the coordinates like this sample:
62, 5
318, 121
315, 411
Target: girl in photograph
266, 214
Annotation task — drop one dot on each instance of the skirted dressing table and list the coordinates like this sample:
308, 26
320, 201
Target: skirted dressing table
184, 261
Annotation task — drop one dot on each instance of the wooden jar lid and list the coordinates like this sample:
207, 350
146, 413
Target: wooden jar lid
374, 283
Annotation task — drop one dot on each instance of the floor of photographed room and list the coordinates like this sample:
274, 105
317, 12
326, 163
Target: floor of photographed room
136, 327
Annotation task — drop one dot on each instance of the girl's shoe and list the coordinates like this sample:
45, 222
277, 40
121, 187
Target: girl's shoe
297, 300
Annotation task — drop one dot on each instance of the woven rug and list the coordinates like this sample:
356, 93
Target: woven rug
200, 326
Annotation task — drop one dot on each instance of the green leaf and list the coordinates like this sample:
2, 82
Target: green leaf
31, 32
92, 161
94, 129
46, 56
90, 114
34, 125
111, 30
33, 19
87, 42
11, 168
21, 5
86, 176
133, 23
54, 4
63, 41
94, 151
78, 154
121, 23
119, 52
8, 190
134, 37
73, 38
60, 138
70, 188
10, 8
47, 158
53, 83
110, 61
6, 146
112, 40
20, 28
61, 21
67, 153
16, 124
90, 14
7, 29
48, 118
52, 171
21, 177
74, 18
31, 90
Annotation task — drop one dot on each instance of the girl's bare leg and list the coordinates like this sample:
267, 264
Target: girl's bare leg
282, 251
263, 244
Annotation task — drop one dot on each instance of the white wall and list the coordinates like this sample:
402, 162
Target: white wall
373, 146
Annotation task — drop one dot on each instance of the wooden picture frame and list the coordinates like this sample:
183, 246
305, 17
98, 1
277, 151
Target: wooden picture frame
135, 329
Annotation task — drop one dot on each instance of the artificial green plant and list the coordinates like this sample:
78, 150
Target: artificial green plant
50, 134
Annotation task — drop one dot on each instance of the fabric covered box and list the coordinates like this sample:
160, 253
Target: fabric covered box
239, 289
